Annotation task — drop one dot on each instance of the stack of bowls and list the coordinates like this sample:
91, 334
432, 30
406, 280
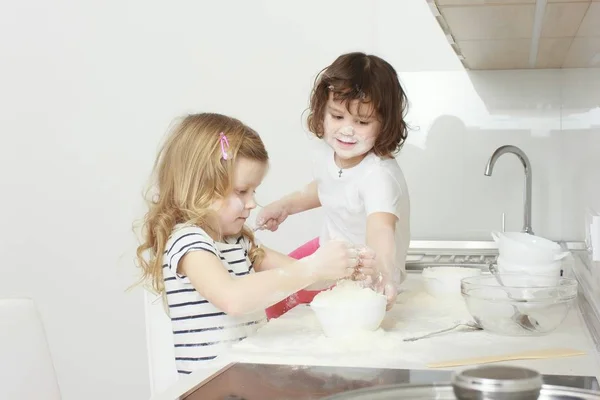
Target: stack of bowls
522, 253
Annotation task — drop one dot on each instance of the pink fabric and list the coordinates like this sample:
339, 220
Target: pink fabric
305, 250
301, 297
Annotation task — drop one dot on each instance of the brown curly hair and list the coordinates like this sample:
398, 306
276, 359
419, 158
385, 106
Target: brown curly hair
369, 79
189, 175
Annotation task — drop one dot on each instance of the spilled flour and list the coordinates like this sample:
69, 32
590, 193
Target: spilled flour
299, 331
297, 336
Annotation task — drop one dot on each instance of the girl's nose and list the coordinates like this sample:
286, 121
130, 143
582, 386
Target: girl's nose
251, 204
347, 130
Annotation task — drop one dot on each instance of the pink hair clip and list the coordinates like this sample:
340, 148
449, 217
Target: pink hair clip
224, 145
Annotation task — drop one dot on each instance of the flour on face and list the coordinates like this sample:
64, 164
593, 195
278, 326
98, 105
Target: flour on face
347, 143
351, 130
234, 209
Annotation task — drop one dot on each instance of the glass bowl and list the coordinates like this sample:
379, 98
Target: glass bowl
524, 305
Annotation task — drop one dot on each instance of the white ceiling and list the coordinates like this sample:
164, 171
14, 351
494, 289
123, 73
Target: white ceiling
517, 34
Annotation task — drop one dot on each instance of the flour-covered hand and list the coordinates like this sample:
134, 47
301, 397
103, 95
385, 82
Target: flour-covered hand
381, 283
365, 264
332, 261
391, 293
271, 216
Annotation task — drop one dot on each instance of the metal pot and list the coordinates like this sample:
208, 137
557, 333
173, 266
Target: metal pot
483, 383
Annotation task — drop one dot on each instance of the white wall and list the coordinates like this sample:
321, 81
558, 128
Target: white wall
87, 91
553, 115
579, 164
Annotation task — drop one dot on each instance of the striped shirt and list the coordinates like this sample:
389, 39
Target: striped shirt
201, 330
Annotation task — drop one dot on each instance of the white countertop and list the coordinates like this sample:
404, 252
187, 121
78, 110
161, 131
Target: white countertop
296, 338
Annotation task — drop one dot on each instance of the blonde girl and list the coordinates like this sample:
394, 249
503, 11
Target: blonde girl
197, 251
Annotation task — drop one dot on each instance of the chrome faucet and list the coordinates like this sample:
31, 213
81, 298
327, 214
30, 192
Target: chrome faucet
527, 193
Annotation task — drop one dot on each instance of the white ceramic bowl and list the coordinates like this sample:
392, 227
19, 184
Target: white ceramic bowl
552, 268
359, 314
513, 238
522, 248
445, 281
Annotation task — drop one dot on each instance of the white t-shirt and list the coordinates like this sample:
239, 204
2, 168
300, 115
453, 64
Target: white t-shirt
201, 331
374, 185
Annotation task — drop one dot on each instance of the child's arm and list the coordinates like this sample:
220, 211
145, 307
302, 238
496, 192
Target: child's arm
303, 200
381, 238
382, 195
274, 259
253, 292
272, 215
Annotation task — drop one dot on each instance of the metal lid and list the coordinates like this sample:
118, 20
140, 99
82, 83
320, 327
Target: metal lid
498, 379
445, 392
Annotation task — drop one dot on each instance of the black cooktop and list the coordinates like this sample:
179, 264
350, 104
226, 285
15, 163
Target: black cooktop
241, 381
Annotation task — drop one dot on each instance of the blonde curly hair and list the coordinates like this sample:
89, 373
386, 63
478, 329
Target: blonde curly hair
189, 175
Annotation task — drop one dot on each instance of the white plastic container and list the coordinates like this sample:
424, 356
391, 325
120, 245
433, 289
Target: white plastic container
522, 248
547, 274
348, 309
551, 269
445, 281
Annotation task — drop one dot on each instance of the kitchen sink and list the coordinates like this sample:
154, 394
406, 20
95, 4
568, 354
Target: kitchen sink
424, 254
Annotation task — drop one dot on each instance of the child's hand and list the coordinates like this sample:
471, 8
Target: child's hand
365, 267
391, 293
381, 284
334, 260
271, 216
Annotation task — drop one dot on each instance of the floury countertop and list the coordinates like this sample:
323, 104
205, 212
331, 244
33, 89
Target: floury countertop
296, 338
